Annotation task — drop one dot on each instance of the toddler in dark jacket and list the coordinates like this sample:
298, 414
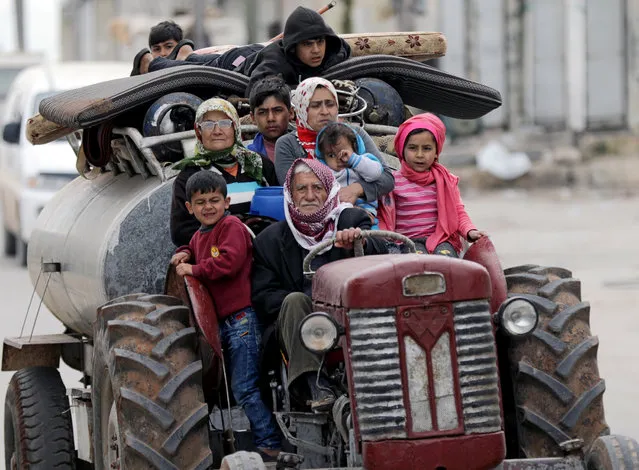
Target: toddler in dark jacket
220, 256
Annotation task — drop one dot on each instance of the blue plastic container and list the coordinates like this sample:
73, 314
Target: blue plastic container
268, 202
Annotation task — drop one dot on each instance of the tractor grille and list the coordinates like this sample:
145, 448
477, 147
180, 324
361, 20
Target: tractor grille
477, 360
376, 374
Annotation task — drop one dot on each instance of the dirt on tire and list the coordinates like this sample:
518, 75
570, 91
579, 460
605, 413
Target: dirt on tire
148, 350
557, 389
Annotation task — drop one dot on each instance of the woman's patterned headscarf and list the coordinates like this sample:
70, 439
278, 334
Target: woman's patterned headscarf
250, 162
311, 229
301, 99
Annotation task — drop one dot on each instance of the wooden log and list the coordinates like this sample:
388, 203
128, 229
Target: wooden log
40, 130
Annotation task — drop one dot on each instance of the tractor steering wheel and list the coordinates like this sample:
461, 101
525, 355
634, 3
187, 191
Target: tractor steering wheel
358, 246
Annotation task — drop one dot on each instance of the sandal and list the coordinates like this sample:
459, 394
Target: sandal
137, 61
184, 42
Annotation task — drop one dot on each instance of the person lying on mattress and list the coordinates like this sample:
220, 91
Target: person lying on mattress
308, 48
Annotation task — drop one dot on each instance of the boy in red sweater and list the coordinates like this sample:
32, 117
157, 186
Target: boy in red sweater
220, 256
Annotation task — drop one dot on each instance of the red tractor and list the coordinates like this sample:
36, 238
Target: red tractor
440, 363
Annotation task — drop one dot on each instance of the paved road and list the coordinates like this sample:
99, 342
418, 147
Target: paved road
594, 235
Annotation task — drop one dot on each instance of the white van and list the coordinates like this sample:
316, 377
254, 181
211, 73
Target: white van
11, 64
30, 175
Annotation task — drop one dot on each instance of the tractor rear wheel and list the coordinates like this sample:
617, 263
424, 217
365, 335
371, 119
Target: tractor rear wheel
38, 433
613, 453
148, 404
557, 389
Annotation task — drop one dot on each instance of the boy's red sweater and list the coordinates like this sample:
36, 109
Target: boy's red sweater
221, 256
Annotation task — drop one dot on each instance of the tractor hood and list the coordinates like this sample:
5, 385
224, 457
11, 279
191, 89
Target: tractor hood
392, 280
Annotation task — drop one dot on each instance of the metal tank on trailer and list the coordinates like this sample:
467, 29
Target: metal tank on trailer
109, 234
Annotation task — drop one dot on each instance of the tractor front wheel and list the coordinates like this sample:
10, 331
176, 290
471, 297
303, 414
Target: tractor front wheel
557, 389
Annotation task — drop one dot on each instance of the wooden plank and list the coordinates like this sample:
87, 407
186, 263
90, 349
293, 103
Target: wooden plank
20, 342
42, 131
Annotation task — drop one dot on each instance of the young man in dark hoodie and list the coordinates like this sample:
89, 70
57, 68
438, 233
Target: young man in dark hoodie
309, 47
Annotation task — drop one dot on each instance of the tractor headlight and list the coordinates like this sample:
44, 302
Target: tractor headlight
318, 332
518, 316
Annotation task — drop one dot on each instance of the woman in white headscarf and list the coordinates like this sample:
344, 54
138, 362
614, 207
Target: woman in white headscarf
315, 104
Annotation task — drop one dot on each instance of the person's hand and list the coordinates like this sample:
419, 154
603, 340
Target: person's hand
181, 257
185, 51
350, 193
184, 269
145, 62
346, 238
344, 155
475, 235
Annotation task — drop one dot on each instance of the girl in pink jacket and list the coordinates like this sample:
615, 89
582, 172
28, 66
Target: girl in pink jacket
426, 205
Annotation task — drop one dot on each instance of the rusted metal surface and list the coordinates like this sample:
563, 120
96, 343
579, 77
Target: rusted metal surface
376, 281
483, 252
477, 366
459, 452
44, 350
375, 363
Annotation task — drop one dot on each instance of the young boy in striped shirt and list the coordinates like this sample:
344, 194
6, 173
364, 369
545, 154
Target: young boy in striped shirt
426, 205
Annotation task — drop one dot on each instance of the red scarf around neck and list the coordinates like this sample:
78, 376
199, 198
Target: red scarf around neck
307, 138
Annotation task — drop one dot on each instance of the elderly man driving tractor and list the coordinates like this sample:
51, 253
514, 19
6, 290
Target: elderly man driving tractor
280, 293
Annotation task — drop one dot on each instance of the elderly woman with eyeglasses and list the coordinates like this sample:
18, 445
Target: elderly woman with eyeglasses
219, 149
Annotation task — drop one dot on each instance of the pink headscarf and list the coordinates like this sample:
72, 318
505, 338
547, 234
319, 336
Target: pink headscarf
301, 100
446, 183
311, 229
427, 121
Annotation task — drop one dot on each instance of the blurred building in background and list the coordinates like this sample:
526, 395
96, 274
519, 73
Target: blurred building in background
569, 65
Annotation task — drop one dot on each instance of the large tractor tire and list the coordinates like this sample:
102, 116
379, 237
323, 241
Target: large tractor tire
557, 389
38, 434
148, 404
613, 453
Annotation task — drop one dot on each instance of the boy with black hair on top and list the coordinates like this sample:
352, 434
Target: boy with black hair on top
220, 256
163, 38
271, 111
309, 47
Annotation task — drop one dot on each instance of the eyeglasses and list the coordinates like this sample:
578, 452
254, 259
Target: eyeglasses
210, 125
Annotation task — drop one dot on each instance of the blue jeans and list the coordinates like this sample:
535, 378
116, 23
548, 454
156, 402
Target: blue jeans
241, 340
